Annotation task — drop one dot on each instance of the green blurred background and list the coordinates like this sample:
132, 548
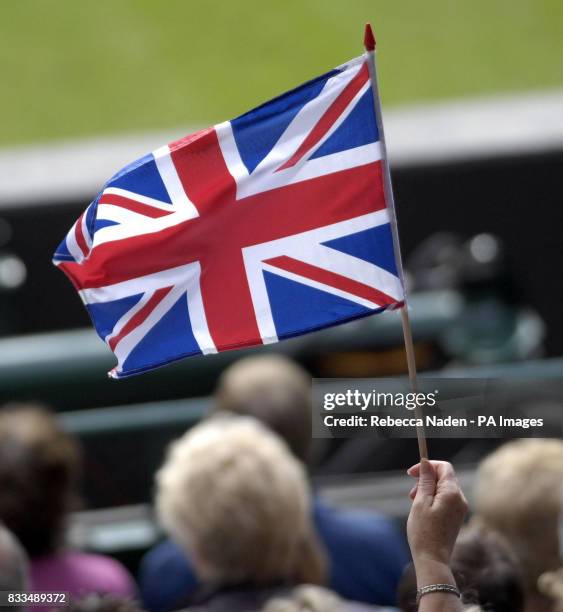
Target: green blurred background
73, 69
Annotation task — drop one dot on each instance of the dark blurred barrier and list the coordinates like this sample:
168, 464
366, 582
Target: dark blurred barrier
124, 445
68, 369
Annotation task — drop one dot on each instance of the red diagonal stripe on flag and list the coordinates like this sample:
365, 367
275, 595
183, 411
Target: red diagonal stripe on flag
132, 205
79, 236
140, 316
332, 279
330, 116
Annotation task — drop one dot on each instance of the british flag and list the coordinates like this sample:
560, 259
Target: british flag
261, 228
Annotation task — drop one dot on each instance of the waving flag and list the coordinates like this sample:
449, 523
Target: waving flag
261, 228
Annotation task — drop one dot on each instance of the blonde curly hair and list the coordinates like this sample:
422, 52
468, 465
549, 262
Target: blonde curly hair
232, 494
518, 492
306, 598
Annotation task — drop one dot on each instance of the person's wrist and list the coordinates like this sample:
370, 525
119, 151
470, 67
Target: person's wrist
434, 554
432, 571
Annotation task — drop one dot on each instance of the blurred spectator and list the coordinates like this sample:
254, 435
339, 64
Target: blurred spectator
274, 390
485, 572
103, 603
234, 497
13, 564
39, 473
367, 553
306, 598
518, 492
551, 585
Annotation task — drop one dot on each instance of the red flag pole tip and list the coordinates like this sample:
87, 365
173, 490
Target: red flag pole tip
369, 38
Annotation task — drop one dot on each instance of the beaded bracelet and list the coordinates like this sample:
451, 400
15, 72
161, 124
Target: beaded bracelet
437, 588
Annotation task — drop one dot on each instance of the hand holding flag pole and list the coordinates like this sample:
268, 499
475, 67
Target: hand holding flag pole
369, 44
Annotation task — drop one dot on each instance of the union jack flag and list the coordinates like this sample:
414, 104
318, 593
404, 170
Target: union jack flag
261, 228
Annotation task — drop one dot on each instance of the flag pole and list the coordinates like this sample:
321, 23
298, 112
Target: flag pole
369, 44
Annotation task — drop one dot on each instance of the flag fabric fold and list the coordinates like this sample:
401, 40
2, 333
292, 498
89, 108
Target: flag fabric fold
261, 228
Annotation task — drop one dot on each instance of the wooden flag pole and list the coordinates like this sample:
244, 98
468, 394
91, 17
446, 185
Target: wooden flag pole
369, 44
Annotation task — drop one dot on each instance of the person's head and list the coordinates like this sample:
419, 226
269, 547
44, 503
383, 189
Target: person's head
485, 572
306, 598
95, 602
13, 563
274, 390
551, 586
518, 492
39, 465
236, 499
